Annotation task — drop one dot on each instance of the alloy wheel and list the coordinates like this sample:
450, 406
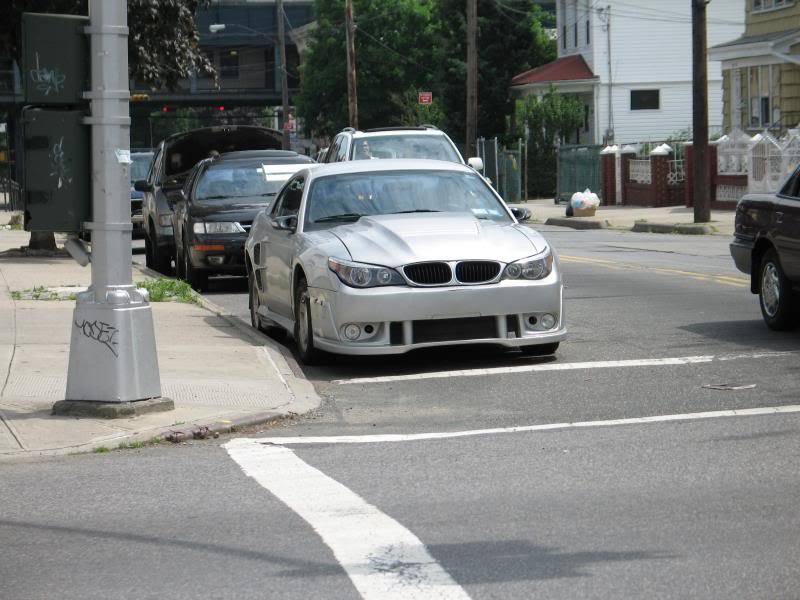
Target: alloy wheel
770, 289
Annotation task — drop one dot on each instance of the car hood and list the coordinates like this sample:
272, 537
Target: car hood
229, 211
395, 240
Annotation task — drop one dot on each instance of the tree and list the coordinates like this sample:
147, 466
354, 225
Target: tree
512, 38
163, 46
549, 121
393, 55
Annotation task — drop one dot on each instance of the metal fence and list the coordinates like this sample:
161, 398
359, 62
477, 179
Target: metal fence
579, 168
503, 167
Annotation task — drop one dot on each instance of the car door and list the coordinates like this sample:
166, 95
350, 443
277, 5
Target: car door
334, 149
280, 247
787, 226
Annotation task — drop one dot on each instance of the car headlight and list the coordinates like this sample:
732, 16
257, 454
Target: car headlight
165, 220
361, 275
537, 267
217, 227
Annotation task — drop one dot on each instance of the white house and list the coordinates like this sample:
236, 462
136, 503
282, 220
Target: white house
631, 63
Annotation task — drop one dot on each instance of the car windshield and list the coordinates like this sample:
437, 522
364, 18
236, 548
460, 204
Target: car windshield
336, 199
435, 147
140, 165
243, 180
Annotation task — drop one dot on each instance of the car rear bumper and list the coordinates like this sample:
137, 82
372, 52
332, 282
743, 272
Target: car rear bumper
742, 253
509, 313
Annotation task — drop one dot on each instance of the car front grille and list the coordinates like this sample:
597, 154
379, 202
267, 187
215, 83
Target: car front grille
477, 271
430, 273
454, 330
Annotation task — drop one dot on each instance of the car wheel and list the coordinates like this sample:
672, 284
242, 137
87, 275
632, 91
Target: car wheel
254, 303
303, 330
539, 349
775, 294
194, 277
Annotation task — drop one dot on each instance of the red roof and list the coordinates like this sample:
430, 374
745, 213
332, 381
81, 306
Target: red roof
568, 68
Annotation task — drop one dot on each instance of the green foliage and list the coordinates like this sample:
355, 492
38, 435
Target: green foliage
165, 289
393, 43
550, 120
101, 450
163, 46
413, 113
511, 39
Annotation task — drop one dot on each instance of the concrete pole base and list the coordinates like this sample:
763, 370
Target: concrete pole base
111, 410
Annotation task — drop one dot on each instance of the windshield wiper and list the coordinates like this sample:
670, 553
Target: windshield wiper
215, 197
417, 210
342, 217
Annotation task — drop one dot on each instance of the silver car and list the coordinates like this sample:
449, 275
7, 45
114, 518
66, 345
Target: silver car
383, 257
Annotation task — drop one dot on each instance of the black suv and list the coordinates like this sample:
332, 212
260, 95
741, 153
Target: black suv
174, 158
217, 205
766, 246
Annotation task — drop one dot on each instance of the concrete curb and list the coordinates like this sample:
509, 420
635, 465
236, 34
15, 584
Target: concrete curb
577, 222
681, 228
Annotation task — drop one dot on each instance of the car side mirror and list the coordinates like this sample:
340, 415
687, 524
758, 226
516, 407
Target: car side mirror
142, 186
287, 223
520, 213
476, 162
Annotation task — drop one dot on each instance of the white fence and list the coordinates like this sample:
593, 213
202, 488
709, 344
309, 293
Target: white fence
640, 170
767, 161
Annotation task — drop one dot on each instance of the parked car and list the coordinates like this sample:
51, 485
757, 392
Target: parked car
174, 158
766, 246
425, 141
217, 206
140, 165
385, 256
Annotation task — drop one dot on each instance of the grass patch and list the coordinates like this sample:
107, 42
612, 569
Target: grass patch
15, 295
101, 450
169, 290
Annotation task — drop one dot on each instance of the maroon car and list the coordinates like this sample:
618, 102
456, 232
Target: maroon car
766, 246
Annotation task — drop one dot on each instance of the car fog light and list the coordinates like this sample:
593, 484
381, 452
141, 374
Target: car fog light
352, 331
216, 260
548, 321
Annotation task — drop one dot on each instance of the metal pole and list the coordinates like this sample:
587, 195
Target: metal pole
112, 357
702, 196
352, 88
284, 77
472, 76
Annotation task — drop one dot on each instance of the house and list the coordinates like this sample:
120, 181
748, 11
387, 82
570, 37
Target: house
631, 64
761, 69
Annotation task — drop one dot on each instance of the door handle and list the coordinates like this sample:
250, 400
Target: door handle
779, 217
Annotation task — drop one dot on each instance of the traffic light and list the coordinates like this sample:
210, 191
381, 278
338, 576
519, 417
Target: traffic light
57, 159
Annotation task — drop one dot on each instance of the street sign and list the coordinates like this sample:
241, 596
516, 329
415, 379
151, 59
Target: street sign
55, 58
425, 98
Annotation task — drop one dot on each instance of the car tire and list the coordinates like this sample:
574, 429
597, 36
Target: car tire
159, 260
303, 329
775, 295
539, 349
274, 331
193, 276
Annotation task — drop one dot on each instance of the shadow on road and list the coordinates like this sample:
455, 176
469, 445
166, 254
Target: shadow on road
752, 334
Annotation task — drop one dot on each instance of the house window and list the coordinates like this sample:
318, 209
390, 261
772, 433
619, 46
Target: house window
763, 96
764, 5
229, 65
645, 99
575, 32
588, 34
564, 37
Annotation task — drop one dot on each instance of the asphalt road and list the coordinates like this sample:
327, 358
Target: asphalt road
458, 501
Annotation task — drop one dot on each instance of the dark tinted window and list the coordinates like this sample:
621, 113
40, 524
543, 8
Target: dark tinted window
792, 187
645, 99
288, 203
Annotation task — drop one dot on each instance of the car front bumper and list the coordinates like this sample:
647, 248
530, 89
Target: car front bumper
402, 318
220, 254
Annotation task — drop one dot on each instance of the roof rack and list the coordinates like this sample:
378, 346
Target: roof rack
349, 129
429, 126
376, 129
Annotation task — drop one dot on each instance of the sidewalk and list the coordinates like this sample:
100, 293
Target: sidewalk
624, 217
219, 372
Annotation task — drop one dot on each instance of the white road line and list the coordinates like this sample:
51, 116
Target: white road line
383, 559
413, 437
557, 366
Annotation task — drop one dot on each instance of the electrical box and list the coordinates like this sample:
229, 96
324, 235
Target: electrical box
57, 181
55, 58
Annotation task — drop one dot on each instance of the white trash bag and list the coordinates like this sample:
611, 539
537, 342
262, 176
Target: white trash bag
585, 200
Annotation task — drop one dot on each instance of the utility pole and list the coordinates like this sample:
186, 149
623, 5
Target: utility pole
472, 77
352, 89
702, 196
113, 369
284, 76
